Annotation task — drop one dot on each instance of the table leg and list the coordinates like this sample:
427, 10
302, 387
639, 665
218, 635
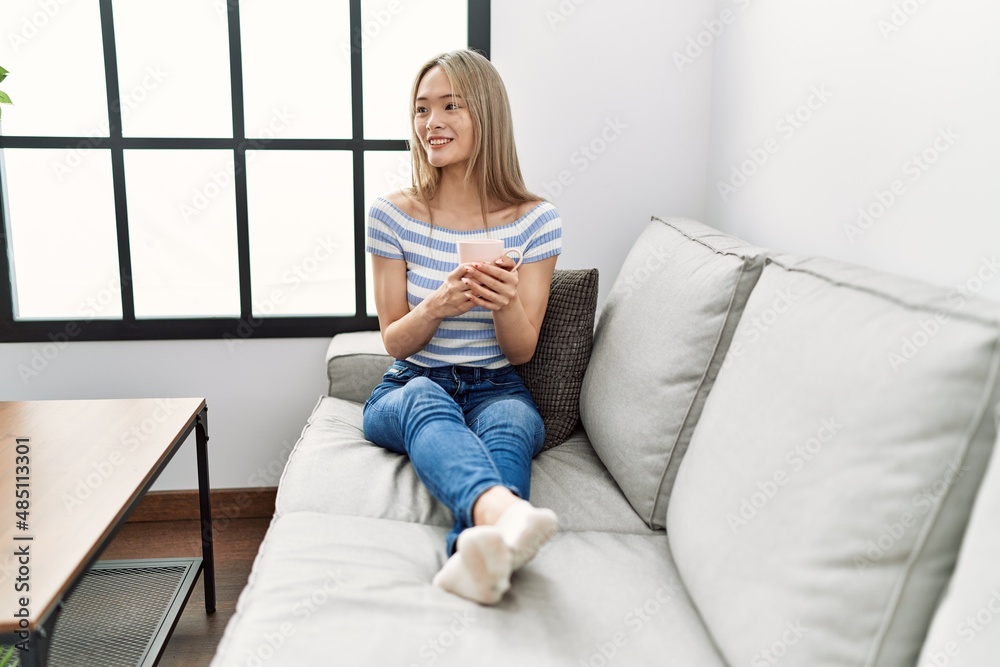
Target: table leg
204, 497
39, 642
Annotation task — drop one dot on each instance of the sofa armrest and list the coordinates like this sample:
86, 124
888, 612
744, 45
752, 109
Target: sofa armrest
355, 363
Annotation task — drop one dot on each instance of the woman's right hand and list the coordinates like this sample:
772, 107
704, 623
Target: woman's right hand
406, 330
451, 298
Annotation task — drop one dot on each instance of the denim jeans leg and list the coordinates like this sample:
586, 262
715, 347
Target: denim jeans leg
423, 419
513, 432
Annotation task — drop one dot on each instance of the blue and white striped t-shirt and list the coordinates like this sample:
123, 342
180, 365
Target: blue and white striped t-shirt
430, 254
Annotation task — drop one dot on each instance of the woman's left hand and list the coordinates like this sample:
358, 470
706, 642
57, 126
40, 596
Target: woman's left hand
492, 285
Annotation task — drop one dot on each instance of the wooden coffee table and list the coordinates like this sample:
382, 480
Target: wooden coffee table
71, 472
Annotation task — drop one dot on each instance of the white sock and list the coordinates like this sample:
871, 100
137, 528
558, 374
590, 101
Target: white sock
526, 529
480, 568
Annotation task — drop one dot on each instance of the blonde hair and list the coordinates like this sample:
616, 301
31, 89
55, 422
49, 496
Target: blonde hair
493, 164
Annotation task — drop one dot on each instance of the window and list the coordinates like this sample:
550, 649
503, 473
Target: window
204, 167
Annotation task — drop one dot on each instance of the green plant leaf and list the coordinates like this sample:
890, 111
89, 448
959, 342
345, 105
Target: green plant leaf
4, 98
3, 73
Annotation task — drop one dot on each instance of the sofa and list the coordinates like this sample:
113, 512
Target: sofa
780, 460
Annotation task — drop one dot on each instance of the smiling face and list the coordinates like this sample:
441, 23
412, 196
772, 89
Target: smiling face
441, 121
471, 131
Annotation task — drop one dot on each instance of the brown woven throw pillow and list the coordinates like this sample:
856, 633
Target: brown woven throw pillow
555, 373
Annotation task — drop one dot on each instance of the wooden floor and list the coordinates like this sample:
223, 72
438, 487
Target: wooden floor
236, 542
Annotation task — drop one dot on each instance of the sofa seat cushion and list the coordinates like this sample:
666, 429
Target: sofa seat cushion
343, 590
831, 476
660, 340
572, 481
334, 469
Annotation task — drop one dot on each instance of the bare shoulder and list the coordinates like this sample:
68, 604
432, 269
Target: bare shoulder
529, 206
408, 203
514, 212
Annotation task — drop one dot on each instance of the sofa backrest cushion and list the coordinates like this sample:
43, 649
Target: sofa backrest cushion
818, 511
966, 628
660, 339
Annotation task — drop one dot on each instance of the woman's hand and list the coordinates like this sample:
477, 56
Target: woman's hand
451, 298
406, 330
492, 285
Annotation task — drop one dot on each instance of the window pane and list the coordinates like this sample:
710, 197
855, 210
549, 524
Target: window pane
63, 237
300, 67
385, 171
301, 206
182, 232
173, 68
44, 39
397, 38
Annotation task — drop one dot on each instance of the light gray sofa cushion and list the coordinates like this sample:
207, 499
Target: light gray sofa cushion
337, 590
571, 480
829, 480
334, 469
966, 628
660, 340
355, 362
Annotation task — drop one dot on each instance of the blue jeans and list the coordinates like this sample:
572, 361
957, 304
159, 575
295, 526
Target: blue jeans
465, 430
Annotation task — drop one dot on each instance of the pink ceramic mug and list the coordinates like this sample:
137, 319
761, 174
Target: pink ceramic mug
485, 250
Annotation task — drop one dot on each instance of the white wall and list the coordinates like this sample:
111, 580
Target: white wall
603, 70
577, 69
901, 78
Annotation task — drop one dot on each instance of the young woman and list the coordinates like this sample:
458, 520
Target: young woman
452, 401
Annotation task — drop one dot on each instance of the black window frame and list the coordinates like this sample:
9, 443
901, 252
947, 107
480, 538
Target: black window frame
246, 325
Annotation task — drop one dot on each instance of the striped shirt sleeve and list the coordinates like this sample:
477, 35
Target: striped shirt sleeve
383, 233
544, 236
